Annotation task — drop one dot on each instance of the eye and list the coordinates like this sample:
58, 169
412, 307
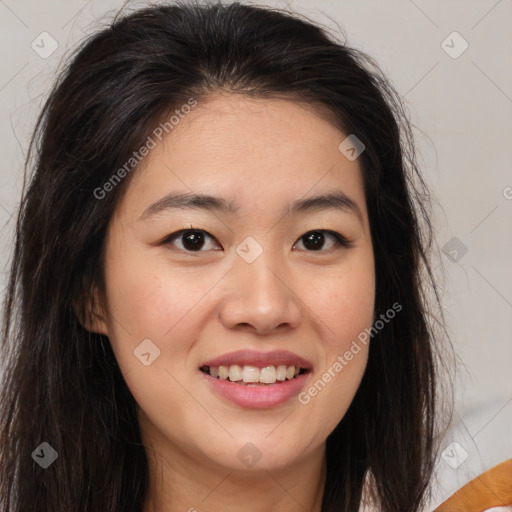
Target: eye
192, 240
315, 240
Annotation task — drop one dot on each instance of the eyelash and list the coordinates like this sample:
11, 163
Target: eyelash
340, 240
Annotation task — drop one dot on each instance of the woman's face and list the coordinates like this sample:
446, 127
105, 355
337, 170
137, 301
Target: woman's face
266, 277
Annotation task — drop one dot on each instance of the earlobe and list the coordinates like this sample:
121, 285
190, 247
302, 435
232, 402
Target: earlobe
90, 314
96, 323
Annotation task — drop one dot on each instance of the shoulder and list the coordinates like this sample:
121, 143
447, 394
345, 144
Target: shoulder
489, 492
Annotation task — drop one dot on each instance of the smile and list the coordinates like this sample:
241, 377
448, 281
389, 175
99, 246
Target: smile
249, 374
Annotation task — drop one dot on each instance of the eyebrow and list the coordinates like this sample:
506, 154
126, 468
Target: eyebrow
337, 200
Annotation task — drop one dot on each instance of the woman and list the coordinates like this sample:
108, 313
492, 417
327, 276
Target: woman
218, 294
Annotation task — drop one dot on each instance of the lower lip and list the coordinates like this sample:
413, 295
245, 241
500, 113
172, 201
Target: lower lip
258, 397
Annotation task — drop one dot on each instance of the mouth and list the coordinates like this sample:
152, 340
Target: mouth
252, 379
250, 375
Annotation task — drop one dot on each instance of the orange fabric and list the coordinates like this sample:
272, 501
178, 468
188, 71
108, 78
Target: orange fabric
491, 489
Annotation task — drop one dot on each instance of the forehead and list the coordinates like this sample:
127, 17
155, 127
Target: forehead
260, 151
234, 120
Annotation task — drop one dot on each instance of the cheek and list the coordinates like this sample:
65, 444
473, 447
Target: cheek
149, 304
152, 300
345, 304
349, 313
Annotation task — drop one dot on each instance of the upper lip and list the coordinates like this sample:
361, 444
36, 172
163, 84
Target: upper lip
260, 359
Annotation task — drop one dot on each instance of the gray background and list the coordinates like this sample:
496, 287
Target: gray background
462, 110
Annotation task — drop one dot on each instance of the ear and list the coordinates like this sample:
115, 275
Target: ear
90, 313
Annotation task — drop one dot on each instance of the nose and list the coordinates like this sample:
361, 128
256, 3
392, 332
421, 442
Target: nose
259, 298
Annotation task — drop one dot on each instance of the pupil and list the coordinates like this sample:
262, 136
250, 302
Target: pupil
193, 240
314, 240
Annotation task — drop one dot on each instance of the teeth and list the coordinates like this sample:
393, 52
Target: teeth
281, 372
235, 373
223, 372
252, 374
268, 374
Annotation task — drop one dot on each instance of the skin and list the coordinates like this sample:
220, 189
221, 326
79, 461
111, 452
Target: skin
262, 155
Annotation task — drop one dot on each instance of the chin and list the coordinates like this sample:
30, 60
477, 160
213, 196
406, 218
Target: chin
255, 453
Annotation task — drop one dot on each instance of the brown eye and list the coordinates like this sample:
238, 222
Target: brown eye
192, 240
195, 240
315, 240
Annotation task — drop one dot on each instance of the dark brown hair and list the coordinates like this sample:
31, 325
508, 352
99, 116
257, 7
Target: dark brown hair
62, 384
